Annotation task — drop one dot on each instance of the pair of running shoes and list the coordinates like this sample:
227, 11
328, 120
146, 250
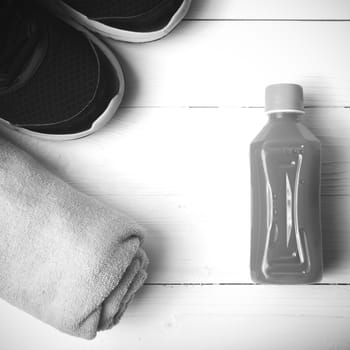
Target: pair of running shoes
58, 79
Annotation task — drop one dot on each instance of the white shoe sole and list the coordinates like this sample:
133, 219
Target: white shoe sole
104, 118
65, 11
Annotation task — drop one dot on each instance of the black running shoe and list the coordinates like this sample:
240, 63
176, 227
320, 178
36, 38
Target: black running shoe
125, 20
55, 82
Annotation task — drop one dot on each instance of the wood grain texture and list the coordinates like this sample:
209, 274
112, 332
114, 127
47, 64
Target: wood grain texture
209, 317
176, 159
270, 9
228, 64
184, 174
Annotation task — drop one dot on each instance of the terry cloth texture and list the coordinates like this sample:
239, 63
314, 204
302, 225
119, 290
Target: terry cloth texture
65, 258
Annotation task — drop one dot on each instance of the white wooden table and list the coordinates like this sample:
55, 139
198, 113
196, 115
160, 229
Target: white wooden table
170, 159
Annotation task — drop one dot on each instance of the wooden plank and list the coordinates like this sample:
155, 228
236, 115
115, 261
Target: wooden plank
228, 64
184, 174
207, 317
270, 9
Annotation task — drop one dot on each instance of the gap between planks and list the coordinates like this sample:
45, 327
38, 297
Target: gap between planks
189, 284
224, 107
264, 20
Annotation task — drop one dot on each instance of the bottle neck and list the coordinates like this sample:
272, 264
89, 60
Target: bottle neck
285, 116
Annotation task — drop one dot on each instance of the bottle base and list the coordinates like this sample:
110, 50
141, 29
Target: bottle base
304, 279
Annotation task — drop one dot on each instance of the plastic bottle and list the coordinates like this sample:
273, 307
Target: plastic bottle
286, 239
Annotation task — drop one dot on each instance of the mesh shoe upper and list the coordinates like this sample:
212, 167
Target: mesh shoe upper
73, 82
113, 8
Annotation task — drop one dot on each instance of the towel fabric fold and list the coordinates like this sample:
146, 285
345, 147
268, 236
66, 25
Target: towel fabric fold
65, 258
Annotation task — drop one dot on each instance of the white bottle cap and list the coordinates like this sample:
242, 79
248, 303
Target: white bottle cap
284, 98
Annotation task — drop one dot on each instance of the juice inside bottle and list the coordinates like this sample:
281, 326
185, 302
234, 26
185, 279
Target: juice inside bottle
286, 239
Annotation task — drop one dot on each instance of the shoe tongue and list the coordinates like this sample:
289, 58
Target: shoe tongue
19, 36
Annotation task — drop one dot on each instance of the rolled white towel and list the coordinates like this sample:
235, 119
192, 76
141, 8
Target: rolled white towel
65, 258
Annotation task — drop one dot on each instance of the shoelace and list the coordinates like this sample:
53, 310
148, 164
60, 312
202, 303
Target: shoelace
18, 40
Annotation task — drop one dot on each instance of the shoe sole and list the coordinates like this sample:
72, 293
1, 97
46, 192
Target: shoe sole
65, 11
104, 118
